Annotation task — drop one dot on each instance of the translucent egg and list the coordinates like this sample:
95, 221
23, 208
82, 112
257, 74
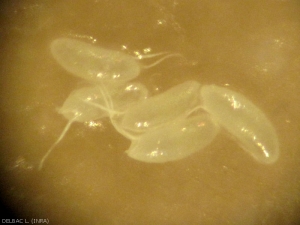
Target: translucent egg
161, 108
95, 102
175, 140
244, 120
97, 64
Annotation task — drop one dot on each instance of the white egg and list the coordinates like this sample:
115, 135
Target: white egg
75, 106
244, 120
91, 103
175, 140
162, 108
95, 102
94, 63
97, 64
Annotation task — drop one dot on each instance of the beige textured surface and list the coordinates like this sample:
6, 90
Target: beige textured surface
253, 46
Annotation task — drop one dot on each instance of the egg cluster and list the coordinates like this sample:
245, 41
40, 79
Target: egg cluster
165, 127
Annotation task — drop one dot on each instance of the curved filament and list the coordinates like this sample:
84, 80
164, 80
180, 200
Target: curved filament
108, 101
62, 135
163, 59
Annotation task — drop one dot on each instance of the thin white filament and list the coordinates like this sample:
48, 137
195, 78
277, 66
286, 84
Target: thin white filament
109, 103
63, 133
148, 56
162, 59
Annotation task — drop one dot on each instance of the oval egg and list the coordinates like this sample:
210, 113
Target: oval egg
93, 63
175, 140
161, 108
244, 120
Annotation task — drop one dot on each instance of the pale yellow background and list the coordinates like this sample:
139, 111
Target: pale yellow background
252, 46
